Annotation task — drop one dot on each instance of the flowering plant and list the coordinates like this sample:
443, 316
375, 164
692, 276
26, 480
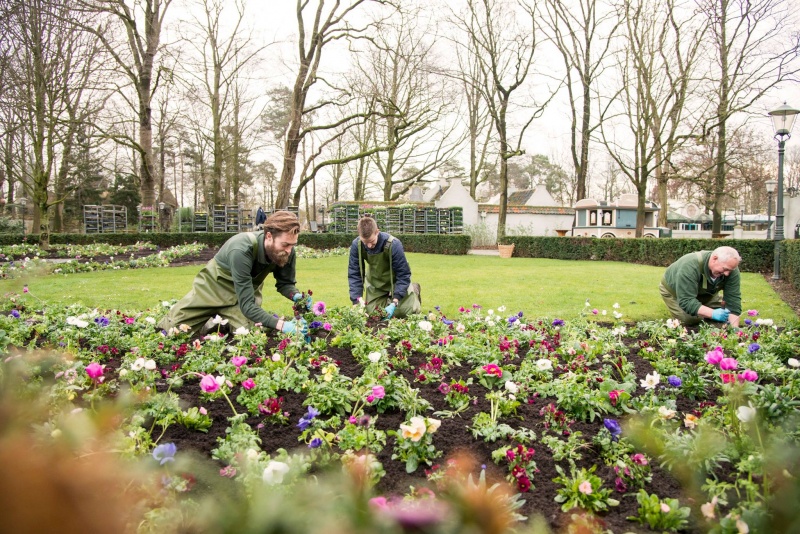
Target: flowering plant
633, 471
302, 305
490, 375
663, 515
521, 465
456, 393
583, 489
415, 442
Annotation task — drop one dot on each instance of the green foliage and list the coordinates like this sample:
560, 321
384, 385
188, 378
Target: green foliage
667, 515
451, 244
583, 489
194, 420
756, 254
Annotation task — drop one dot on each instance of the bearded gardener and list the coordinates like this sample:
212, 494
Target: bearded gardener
377, 261
691, 287
230, 283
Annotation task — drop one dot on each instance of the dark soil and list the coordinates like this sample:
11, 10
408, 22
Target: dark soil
453, 437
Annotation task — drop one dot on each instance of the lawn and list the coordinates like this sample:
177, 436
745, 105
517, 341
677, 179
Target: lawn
538, 286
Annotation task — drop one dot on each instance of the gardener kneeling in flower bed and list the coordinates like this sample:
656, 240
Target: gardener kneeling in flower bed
378, 261
690, 287
230, 283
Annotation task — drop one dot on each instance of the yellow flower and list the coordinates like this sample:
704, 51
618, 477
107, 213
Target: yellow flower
415, 429
433, 425
690, 421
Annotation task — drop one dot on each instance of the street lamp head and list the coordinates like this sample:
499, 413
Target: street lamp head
161, 206
783, 120
24, 202
771, 185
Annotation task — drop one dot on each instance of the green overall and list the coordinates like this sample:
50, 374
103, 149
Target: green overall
379, 283
706, 298
213, 294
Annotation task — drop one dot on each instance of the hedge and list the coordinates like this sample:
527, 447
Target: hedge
757, 255
452, 244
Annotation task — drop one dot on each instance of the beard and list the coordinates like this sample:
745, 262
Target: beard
278, 257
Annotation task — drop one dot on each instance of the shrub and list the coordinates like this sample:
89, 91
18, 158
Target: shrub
756, 254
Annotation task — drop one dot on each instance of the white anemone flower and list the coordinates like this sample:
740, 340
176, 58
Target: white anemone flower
793, 362
425, 326
746, 413
150, 365
150, 320
651, 380
274, 472
219, 320
511, 387
138, 365
543, 364
241, 331
374, 357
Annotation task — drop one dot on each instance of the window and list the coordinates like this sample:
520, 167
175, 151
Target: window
593, 218
607, 217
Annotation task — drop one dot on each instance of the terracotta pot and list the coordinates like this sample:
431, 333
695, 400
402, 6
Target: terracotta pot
506, 251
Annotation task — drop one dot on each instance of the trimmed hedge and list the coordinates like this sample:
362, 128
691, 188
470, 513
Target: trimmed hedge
757, 255
452, 244
790, 262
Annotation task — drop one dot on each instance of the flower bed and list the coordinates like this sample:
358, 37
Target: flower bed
645, 427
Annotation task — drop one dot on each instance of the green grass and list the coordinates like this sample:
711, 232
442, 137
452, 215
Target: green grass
538, 287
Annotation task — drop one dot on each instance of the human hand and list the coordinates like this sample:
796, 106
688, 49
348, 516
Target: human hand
290, 327
390, 310
361, 302
297, 297
720, 314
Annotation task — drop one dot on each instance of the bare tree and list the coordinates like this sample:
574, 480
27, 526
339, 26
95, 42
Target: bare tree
505, 51
754, 53
583, 31
413, 102
51, 69
141, 22
327, 26
220, 55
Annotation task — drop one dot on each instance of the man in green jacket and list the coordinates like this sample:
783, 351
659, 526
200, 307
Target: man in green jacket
377, 261
230, 283
691, 287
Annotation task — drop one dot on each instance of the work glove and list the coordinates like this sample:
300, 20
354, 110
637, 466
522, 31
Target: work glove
361, 302
720, 314
309, 301
290, 327
390, 310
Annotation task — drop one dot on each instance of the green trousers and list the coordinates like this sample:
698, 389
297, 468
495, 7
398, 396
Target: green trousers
212, 294
713, 301
380, 299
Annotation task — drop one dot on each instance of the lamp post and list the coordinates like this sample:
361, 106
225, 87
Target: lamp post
771, 184
23, 202
782, 121
161, 216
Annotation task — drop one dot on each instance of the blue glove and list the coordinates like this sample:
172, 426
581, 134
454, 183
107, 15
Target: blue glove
309, 301
720, 314
290, 327
390, 310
